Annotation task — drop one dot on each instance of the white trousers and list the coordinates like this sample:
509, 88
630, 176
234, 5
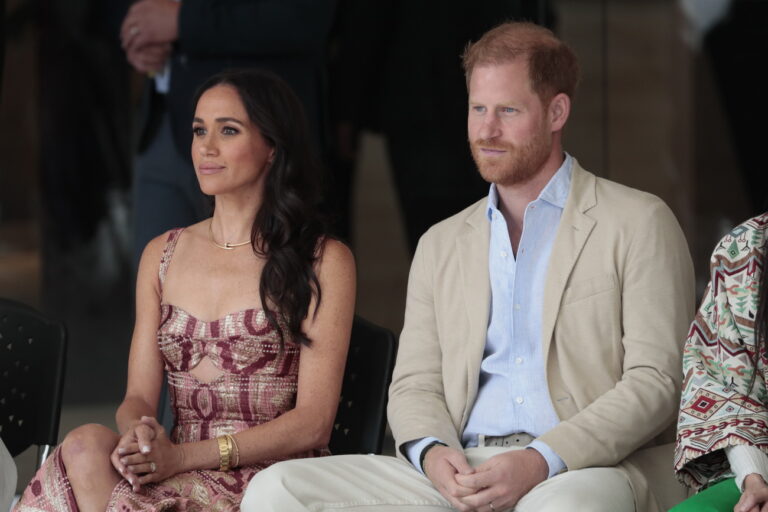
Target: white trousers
377, 483
7, 478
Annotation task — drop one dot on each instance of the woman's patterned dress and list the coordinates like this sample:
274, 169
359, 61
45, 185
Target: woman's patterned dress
258, 384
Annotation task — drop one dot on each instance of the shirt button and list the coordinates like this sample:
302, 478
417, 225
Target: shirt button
519, 400
517, 307
518, 360
503, 254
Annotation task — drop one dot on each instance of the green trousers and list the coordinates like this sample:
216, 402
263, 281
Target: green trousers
721, 497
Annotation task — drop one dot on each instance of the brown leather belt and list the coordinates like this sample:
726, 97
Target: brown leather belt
520, 439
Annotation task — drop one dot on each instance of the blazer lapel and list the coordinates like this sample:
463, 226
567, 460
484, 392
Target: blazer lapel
575, 227
472, 247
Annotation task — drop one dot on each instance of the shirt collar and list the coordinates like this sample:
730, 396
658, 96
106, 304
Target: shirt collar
555, 192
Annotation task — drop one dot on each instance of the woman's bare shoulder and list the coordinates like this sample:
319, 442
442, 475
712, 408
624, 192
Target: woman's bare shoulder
152, 255
335, 254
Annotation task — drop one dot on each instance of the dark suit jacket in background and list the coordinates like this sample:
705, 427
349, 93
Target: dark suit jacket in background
397, 70
287, 37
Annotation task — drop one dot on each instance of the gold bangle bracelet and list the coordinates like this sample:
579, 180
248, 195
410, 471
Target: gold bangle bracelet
225, 453
235, 451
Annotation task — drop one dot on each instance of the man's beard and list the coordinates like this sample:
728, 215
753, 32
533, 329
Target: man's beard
518, 165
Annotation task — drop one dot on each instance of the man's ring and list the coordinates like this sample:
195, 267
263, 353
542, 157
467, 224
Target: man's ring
153, 468
493, 509
133, 30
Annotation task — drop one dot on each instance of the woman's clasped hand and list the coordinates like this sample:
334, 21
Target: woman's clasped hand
145, 454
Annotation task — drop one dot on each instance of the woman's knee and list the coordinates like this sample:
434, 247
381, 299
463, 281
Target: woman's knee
86, 443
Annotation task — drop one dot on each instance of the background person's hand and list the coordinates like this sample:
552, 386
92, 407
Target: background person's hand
755, 495
150, 22
150, 58
441, 465
503, 480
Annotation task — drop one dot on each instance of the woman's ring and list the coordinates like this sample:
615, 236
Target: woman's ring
493, 509
152, 467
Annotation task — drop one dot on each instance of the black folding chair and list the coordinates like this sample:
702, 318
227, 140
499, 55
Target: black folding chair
361, 419
32, 358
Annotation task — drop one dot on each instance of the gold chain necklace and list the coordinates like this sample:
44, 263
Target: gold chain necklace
227, 246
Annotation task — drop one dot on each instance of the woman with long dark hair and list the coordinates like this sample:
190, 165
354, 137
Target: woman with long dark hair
249, 312
722, 436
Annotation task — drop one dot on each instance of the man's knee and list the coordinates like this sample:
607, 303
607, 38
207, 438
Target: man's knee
341, 481
578, 501
587, 490
272, 488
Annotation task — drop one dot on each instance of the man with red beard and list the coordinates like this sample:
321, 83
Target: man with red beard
539, 364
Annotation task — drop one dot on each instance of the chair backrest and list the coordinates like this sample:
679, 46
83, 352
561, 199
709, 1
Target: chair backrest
361, 419
32, 358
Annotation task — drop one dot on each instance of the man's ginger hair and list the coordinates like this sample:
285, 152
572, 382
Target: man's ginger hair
552, 65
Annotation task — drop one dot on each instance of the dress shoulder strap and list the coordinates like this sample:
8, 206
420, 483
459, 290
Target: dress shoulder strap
170, 246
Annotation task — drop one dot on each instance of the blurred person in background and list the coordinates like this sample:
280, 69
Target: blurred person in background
7, 466
394, 69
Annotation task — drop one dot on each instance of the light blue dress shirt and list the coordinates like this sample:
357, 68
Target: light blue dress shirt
513, 394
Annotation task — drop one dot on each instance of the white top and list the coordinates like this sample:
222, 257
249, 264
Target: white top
746, 459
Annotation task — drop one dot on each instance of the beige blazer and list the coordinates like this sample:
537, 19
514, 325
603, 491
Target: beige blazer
618, 299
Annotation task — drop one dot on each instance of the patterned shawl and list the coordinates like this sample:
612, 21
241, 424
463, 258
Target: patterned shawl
719, 407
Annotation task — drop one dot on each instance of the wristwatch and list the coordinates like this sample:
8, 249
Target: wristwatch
426, 449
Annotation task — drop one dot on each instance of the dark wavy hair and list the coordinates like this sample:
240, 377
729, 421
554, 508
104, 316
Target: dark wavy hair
761, 315
288, 228
761, 320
